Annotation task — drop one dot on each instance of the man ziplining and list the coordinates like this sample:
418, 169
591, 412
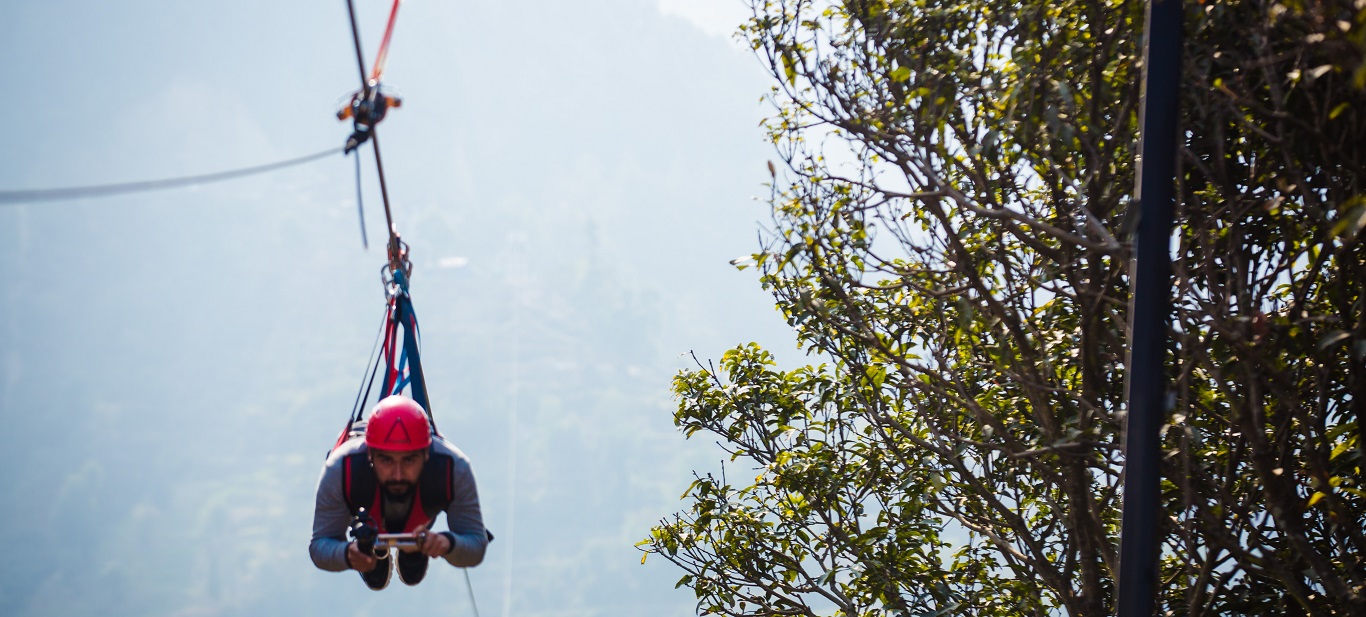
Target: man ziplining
387, 486
389, 477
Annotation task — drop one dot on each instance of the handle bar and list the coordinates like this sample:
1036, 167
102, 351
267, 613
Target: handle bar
386, 541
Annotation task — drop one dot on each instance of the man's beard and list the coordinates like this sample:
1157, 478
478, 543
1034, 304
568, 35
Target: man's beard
400, 490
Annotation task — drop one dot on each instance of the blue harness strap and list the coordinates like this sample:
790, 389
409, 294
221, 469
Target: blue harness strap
408, 368
417, 384
401, 373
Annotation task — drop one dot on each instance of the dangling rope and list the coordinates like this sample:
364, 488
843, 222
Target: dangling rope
360, 206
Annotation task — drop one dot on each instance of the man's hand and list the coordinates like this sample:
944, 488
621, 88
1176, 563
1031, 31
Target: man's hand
433, 544
359, 559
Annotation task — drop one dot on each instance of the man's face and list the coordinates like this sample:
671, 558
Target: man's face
398, 471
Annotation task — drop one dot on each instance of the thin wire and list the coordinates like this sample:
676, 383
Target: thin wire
470, 587
107, 190
363, 392
359, 410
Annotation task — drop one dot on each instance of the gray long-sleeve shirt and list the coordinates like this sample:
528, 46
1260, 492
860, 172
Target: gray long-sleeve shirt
331, 517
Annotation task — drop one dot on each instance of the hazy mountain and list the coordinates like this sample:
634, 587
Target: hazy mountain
572, 178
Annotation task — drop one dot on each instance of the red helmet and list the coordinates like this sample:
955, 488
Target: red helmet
399, 424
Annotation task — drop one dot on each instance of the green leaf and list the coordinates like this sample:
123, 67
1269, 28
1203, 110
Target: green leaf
877, 374
789, 68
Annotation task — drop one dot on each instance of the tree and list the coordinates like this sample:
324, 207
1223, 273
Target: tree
953, 236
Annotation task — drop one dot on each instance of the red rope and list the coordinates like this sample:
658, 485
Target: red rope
390, 345
383, 54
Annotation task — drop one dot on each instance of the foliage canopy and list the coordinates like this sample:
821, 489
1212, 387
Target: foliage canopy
952, 231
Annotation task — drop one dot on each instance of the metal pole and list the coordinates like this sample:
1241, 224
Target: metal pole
1150, 310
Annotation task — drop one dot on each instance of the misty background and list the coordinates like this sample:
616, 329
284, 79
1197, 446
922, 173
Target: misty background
573, 178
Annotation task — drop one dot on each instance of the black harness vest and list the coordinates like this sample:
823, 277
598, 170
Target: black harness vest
432, 496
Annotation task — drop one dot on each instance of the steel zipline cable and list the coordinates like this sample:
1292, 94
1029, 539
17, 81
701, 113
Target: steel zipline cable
108, 190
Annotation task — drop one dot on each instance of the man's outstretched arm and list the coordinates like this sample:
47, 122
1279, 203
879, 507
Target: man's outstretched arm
331, 518
468, 538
